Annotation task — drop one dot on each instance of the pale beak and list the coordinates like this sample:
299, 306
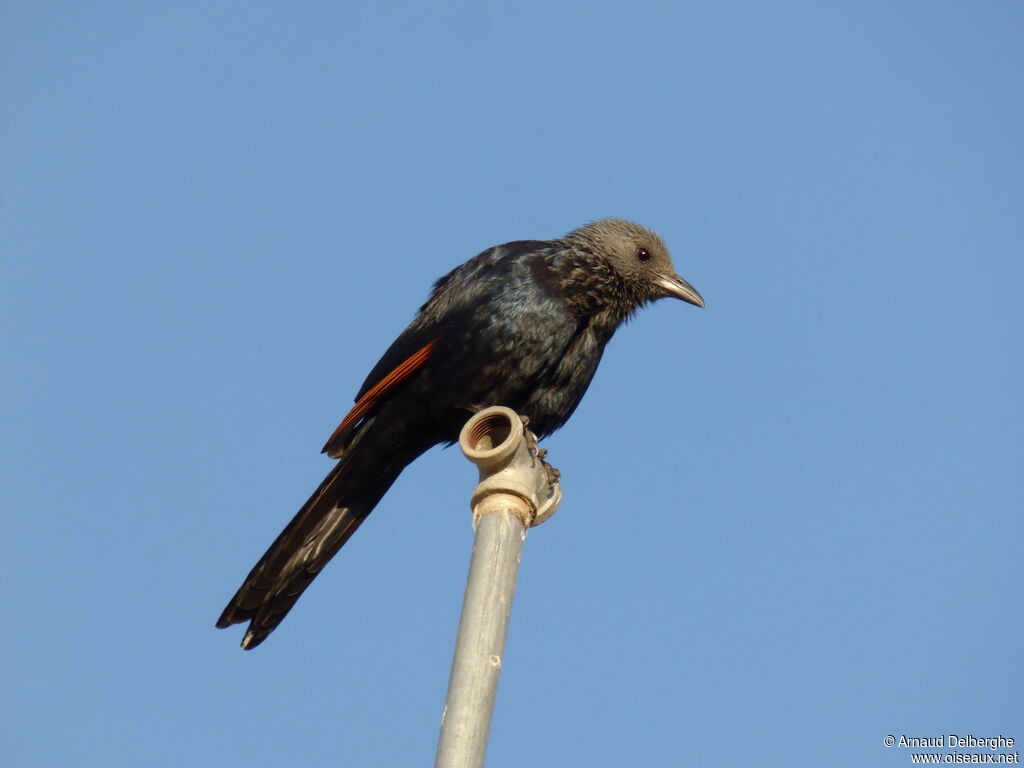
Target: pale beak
674, 285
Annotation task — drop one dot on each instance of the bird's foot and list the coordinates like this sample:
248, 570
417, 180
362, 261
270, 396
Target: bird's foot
553, 474
531, 439
539, 453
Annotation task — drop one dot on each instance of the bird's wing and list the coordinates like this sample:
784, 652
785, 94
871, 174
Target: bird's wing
379, 386
462, 298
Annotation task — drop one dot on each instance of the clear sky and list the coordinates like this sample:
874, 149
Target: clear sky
792, 520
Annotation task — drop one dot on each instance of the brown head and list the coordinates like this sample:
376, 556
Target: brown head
638, 255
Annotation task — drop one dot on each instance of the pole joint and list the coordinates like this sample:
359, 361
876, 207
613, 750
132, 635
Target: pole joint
504, 450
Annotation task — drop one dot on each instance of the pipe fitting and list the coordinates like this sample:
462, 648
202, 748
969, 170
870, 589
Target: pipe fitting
506, 455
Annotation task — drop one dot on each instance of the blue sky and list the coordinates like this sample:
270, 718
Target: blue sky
792, 520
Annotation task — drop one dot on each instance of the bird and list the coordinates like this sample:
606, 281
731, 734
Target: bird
523, 324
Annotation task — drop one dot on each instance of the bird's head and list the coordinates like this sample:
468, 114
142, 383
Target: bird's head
638, 256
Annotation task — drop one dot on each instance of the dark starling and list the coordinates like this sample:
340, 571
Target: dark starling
522, 325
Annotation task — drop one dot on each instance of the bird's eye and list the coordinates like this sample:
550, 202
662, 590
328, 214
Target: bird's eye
642, 254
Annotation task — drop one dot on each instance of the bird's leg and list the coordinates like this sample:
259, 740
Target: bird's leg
539, 453
531, 439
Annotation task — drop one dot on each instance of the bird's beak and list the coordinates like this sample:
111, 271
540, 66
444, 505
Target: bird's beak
674, 285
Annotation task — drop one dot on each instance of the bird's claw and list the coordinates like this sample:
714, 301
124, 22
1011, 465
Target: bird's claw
553, 474
531, 439
539, 453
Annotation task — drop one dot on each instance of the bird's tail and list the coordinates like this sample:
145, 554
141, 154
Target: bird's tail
320, 528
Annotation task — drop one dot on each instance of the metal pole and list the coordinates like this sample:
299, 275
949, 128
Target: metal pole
516, 491
481, 642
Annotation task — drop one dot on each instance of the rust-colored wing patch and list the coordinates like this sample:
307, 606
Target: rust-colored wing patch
374, 395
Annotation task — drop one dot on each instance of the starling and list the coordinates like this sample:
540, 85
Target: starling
522, 325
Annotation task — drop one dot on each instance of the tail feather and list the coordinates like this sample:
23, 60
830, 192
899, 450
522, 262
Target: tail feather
320, 528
